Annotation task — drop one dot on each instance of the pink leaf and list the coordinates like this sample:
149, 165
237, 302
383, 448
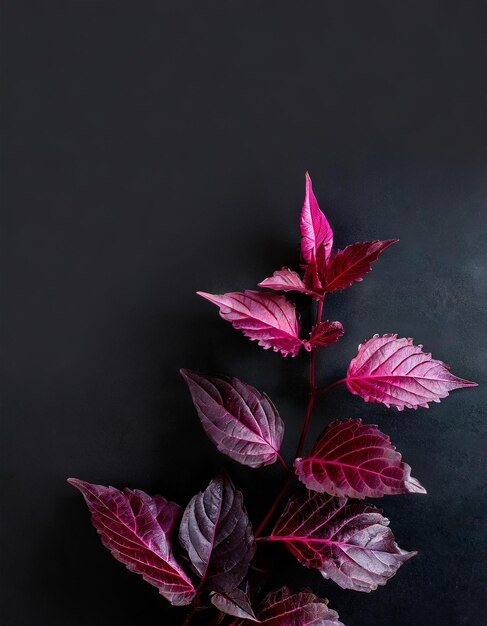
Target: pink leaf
325, 333
235, 603
396, 372
302, 608
136, 529
355, 460
264, 317
216, 533
351, 264
312, 275
316, 232
347, 542
285, 280
242, 422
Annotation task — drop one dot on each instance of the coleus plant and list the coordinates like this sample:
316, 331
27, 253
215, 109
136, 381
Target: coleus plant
203, 555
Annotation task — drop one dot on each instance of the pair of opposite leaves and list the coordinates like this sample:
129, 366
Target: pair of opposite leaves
348, 542
271, 319
216, 533
387, 369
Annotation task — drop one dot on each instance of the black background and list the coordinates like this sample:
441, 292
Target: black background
152, 149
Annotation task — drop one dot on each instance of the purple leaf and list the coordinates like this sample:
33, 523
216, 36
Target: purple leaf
235, 603
355, 460
316, 232
216, 533
286, 280
347, 542
137, 529
242, 422
396, 372
264, 317
325, 333
351, 264
302, 608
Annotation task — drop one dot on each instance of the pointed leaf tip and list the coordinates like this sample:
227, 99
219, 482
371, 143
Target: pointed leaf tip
356, 460
137, 529
267, 318
241, 421
353, 262
349, 542
316, 232
395, 372
217, 535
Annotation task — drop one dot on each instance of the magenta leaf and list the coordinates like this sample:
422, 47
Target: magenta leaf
242, 422
396, 372
355, 460
347, 542
235, 603
137, 528
325, 333
217, 535
351, 264
265, 317
316, 232
302, 608
286, 280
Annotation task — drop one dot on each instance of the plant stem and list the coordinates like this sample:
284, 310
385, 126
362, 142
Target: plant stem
337, 382
283, 462
273, 506
312, 389
304, 432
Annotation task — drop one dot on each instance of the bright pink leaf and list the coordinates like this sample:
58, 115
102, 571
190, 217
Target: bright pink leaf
265, 317
316, 232
351, 264
347, 542
302, 608
325, 333
216, 533
312, 275
396, 372
286, 280
355, 460
242, 422
235, 603
136, 528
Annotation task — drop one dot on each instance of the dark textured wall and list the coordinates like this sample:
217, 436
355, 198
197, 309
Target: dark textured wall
155, 148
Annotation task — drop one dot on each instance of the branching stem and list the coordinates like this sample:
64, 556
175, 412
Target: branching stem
273, 506
337, 382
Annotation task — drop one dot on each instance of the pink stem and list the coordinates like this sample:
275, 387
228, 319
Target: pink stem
312, 389
304, 432
273, 506
283, 462
337, 382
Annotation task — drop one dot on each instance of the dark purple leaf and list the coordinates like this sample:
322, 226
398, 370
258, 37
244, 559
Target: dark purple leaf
137, 529
355, 460
324, 333
235, 603
242, 422
351, 264
265, 317
349, 542
216, 533
396, 372
302, 608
